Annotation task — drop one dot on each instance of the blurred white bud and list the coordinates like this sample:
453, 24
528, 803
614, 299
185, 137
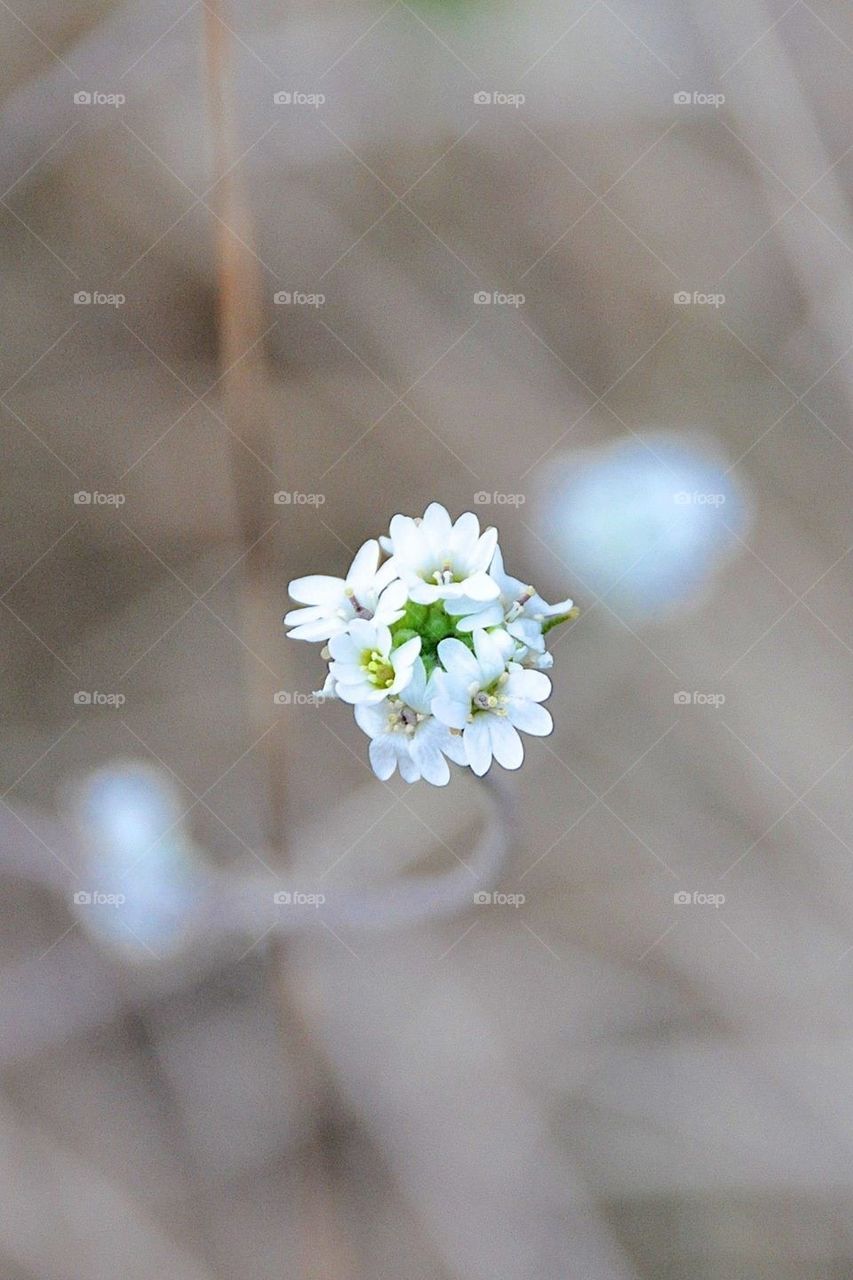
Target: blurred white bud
142, 882
644, 523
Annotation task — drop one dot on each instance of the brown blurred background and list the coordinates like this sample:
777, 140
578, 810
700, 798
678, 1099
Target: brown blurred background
601, 1083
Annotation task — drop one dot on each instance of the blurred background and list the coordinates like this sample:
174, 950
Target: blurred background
271, 273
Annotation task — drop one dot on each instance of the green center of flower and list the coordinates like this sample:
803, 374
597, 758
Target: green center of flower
377, 669
433, 624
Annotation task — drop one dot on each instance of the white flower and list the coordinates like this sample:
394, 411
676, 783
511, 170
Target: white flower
438, 650
364, 666
368, 591
490, 699
405, 735
519, 609
439, 560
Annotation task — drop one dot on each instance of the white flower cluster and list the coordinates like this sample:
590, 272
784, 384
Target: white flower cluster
440, 652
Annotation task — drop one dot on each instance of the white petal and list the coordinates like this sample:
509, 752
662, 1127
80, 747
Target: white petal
347, 673
415, 693
511, 588
368, 634
411, 546
316, 631
497, 561
383, 757
489, 655
309, 613
364, 692
451, 712
400, 526
528, 633
433, 688
317, 588
351, 693
403, 658
344, 649
409, 770
454, 748
464, 535
364, 565
538, 605
528, 684
529, 717
388, 617
478, 744
432, 764
436, 524
485, 549
479, 586
456, 606
424, 592
477, 614
372, 719
385, 574
393, 597
506, 744
505, 643
458, 658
